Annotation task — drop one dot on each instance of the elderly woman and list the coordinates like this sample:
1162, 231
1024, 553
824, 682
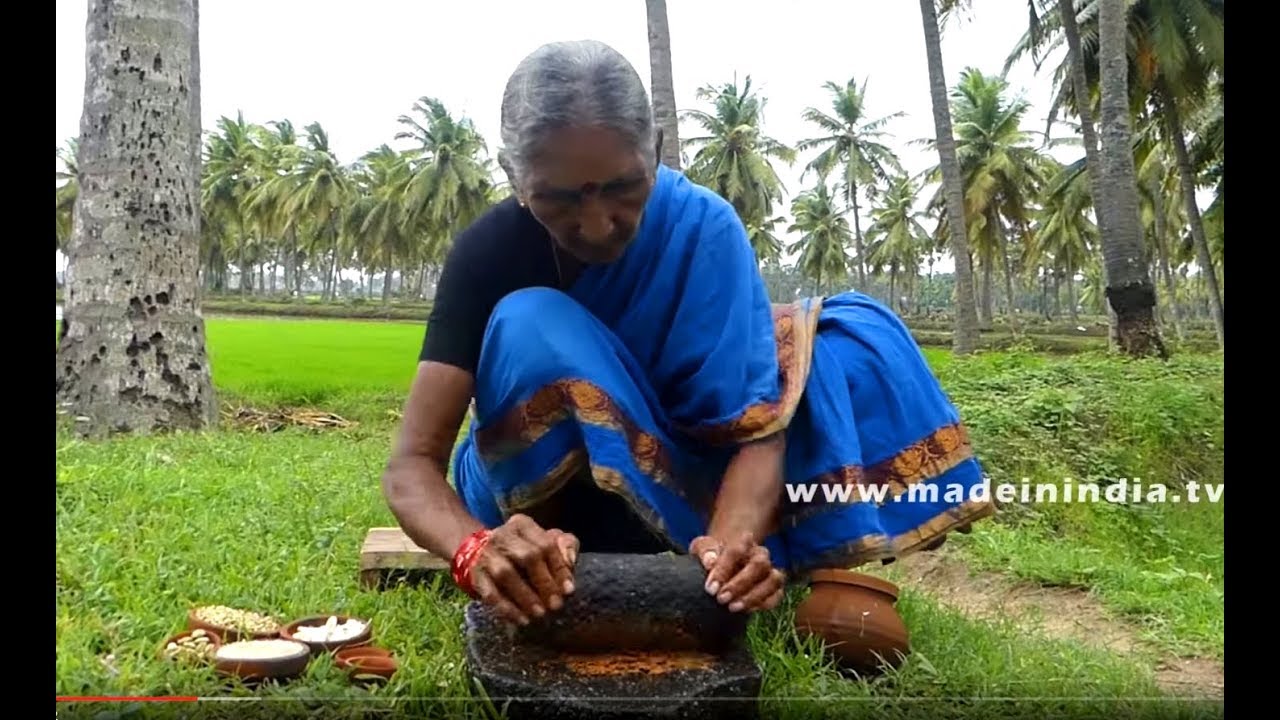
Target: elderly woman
632, 389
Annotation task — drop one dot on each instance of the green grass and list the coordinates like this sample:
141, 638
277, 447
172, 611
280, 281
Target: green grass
357, 367
148, 527
1099, 420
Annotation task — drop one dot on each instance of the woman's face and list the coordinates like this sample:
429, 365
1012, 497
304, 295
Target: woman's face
588, 187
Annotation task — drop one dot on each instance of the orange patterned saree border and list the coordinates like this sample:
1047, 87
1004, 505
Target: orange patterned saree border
795, 326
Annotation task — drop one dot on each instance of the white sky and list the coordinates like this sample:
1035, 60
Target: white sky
355, 67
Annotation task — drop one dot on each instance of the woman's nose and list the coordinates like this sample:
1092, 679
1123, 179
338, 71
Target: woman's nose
596, 222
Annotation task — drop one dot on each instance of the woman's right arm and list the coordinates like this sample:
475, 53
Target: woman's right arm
525, 570
427, 508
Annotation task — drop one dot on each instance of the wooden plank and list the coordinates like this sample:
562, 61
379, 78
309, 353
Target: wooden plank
388, 554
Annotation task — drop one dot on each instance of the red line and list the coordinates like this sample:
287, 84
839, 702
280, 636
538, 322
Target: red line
127, 698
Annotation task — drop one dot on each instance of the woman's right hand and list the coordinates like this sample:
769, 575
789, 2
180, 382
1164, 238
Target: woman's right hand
525, 571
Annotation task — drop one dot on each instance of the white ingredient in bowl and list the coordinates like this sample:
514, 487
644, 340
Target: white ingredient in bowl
261, 650
331, 631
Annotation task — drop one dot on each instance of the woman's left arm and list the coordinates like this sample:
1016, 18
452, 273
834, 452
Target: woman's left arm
750, 491
721, 368
740, 573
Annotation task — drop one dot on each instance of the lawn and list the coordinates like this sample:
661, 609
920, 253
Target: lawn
148, 527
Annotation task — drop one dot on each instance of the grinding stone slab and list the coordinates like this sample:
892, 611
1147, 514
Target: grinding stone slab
637, 602
537, 682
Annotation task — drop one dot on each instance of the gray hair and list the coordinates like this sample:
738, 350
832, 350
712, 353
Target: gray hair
582, 83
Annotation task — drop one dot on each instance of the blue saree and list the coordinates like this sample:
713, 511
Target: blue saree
651, 370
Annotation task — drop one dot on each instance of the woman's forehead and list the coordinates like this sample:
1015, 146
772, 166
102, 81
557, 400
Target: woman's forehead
582, 158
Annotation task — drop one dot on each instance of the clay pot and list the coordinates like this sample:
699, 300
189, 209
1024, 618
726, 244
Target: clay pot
367, 664
854, 615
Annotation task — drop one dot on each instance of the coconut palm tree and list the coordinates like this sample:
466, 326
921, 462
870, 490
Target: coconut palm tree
852, 143
734, 157
278, 155
965, 337
1160, 207
318, 193
451, 182
824, 237
377, 221
131, 356
1172, 55
764, 240
1130, 292
66, 189
1001, 175
233, 169
896, 238
1063, 236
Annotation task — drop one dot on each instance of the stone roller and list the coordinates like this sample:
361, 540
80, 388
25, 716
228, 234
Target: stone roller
637, 603
638, 637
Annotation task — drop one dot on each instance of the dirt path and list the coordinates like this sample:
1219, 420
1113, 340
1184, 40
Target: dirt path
1060, 613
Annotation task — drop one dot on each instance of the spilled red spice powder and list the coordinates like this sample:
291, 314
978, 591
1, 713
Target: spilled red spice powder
637, 663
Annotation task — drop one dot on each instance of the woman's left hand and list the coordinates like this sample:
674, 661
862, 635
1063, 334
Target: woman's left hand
739, 572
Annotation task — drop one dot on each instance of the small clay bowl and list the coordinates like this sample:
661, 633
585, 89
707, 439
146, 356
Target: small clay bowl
375, 665
276, 667
214, 641
289, 632
225, 634
360, 652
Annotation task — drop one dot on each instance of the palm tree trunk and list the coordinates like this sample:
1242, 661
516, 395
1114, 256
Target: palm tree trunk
852, 196
275, 265
245, 268
1188, 181
132, 355
1162, 254
299, 272
1084, 109
662, 81
893, 287
294, 268
1008, 277
1050, 310
1080, 91
988, 302
217, 268
1071, 296
965, 337
1130, 293
286, 262
333, 260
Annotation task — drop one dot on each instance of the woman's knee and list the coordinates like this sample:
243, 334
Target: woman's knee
533, 316
535, 336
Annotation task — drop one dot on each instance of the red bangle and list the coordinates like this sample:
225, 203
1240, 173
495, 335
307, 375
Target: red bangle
464, 558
